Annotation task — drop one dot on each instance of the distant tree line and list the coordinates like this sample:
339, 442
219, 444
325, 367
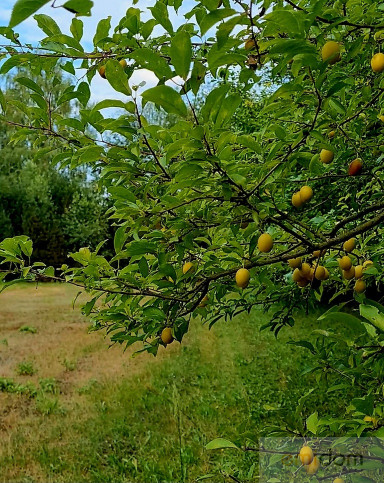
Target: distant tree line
60, 209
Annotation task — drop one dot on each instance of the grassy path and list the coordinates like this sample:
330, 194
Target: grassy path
95, 414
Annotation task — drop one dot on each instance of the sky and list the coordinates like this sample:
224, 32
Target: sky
100, 88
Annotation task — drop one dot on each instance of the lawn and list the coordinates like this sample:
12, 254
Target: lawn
72, 409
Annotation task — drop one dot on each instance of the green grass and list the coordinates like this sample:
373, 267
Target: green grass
151, 425
28, 328
26, 368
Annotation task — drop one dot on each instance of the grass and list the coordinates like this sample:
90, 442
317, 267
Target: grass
109, 418
28, 328
26, 368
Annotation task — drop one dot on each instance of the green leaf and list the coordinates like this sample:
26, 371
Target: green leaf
79, 7
143, 267
3, 102
248, 141
83, 93
116, 76
30, 84
347, 319
24, 9
213, 103
160, 13
120, 238
166, 97
140, 248
313, 422
220, 443
303, 343
87, 308
214, 17
373, 315
102, 31
47, 25
147, 59
76, 28
364, 404
15, 61
227, 109
181, 53
107, 103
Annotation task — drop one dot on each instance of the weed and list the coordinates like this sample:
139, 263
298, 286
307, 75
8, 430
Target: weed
26, 368
69, 365
10, 386
49, 385
28, 328
47, 405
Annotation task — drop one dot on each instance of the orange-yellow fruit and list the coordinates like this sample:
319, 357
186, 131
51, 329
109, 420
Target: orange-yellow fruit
318, 253
303, 282
345, 263
331, 134
249, 44
204, 301
294, 262
296, 200
320, 273
349, 245
306, 193
367, 263
187, 267
326, 156
305, 270
349, 274
360, 286
312, 468
338, 480
355, 167
242, 277
306, 455
265, 243
296, 275
326, 276
102, 71
123, 63
331, 52
377, 62
359, 271
381, 117
166, 335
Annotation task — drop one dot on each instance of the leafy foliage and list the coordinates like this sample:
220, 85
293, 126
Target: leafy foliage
203, 189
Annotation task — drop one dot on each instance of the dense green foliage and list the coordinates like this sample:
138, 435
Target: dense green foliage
60, 210
203, 189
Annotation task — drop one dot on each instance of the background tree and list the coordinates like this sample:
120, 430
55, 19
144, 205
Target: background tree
60, 209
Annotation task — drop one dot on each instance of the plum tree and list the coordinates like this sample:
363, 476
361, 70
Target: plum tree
204, 186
